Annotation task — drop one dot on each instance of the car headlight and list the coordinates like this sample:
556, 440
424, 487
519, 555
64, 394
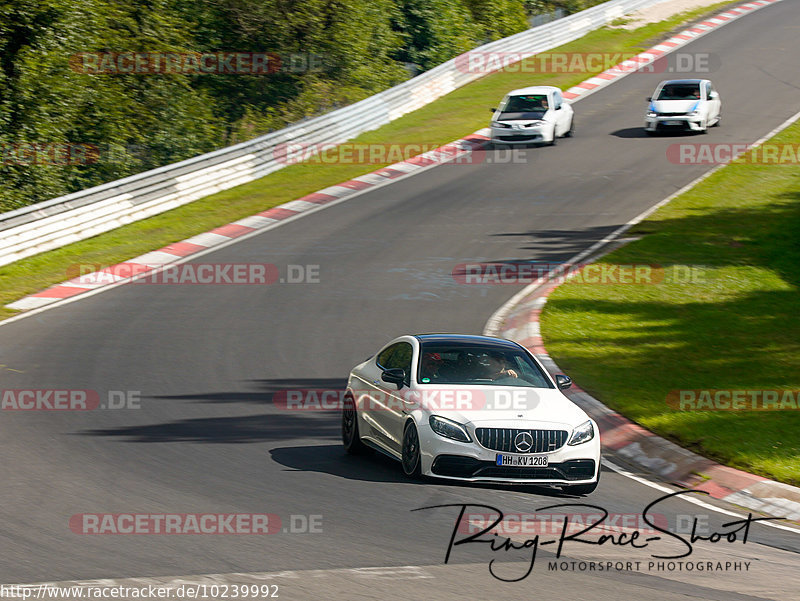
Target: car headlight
694, 113
449, 429
651, 114
581, 434
498, 124
535, 124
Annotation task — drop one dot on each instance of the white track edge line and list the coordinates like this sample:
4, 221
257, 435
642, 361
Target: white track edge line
623, 472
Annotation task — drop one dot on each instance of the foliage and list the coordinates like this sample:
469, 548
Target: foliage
127, 123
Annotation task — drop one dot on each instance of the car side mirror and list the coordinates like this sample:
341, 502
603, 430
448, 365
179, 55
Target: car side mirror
649, 99
558, 108
493, 110
394, 375
713, 95
563, 381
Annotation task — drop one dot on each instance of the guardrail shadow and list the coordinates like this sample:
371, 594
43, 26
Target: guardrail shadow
270, 427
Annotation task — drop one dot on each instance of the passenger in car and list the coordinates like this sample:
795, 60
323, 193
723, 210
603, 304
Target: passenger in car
431, 363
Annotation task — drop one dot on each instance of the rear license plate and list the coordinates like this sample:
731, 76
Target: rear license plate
521, 460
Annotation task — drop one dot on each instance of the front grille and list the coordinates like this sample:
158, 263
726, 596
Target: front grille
519, 137
457, 466
503, 439
671, 114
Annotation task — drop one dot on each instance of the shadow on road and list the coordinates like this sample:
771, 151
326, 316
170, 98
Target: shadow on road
264, 390
376, 467
555, 246
638, 132
271, 427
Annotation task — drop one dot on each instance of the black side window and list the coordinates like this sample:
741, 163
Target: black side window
397, 356
385, 357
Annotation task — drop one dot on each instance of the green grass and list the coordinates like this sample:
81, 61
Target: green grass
456, 115
736, 327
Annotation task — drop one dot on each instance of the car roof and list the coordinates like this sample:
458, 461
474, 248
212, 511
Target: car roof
534, 90
467, 340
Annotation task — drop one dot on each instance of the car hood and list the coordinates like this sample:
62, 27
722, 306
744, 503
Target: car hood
487, 405
675, 106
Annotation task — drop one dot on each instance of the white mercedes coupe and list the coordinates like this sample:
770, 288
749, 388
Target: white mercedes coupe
471, 408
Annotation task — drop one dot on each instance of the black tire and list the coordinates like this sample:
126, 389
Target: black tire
571, 130
649, 132
411, 457
350, 437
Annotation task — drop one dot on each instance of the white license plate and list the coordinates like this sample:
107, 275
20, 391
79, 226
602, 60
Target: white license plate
521, 460
674, 122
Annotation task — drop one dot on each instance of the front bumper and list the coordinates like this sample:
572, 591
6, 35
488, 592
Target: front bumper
506, 135
673, 123
445, 458
574, 471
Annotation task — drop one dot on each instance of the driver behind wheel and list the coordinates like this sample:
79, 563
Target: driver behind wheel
497, 367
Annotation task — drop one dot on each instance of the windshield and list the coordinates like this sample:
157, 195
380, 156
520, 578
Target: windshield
443, 363
530, 106
682, 91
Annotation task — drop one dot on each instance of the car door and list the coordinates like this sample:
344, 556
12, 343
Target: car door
384, 411
715, 106
397, 399
562, 114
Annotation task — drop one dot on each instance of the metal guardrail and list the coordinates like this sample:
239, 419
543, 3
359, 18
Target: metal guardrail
66, 219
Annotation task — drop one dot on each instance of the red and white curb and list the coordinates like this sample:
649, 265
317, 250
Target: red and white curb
636, 445
154, 260
643, 59
142, 265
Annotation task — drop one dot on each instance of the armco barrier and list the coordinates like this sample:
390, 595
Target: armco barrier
60, 221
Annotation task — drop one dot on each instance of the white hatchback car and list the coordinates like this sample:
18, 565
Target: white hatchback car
534, 115
684, 104
471, 408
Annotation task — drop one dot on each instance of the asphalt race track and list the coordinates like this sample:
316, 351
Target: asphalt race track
207, 359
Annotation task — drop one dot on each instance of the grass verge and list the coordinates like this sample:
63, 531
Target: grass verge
732, 326
451, 117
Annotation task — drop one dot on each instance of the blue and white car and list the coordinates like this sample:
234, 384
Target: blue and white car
533, 115
471, 408
683, 104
